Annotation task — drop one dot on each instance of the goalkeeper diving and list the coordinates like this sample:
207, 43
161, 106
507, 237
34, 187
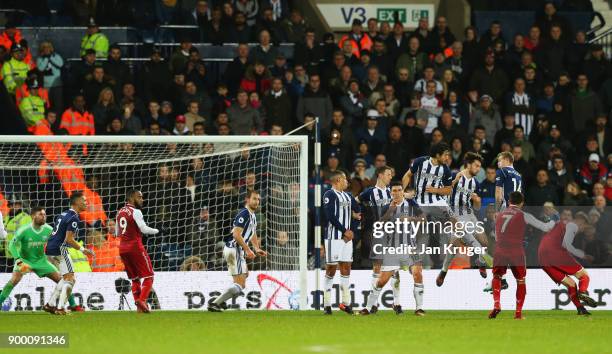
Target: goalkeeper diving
28, 249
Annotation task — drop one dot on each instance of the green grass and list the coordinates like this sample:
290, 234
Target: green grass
272, 332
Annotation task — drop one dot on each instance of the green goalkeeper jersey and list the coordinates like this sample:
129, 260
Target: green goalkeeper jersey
29, 243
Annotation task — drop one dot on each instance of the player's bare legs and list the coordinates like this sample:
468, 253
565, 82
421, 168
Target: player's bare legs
448, 258
418, 288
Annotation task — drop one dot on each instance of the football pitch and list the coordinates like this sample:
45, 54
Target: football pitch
271, 332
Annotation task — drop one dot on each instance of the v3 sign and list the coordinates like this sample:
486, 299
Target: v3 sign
340, 16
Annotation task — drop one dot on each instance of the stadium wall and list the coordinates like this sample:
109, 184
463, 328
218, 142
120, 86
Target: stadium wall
463, 290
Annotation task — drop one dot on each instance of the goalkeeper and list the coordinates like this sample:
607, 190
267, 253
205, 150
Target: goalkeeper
28, 249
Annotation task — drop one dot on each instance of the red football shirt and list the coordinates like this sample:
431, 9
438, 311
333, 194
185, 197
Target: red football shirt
128, 231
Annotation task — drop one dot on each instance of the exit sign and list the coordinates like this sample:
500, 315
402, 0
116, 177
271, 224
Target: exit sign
388, 15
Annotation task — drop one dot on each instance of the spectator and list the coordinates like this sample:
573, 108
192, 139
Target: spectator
457, 154
192, 116
490, 79
239, 31
485, 148
428, 75
363, 152
528, 152
248, 7
51, 65
490, 37
193, 264
308, 52
339, 123
358, 40
574, 195
585, 105
550, 19
397, 44
487, 116
215, 31
315, 101
129, 94
94, 85
155, 77
243, 119
554, 139
294, 27
441, 31
592, 172
533, 40
154, 115
379, 161
280, 66
94, 39
392, 104
372, 133
506, 133
397, 153
332, 165
487, 187
450, 129
522, 165
115, 68
381, 59
423, 34
542, 191
155, 129
180, 126
256, 79
413, 137
404, 87
180, 57
432, 105
521, 105
115, 127
603, 135
554, 53
559, 175
277, 107
104, 110
77, 120
131, 121
199, 16
264, 52
359, 181
597, 67
192, 94
15, 70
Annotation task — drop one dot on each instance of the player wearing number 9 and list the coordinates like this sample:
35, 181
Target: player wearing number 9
130, 227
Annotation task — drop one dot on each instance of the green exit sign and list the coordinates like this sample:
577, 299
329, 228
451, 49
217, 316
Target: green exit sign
388, 15
419, 14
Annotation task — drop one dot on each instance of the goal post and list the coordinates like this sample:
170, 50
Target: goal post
193, 186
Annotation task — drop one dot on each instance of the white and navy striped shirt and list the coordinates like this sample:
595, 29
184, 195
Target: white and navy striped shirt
248, 222
426, 174
522, 109
461, 197
338, 206
408, 208
375, 201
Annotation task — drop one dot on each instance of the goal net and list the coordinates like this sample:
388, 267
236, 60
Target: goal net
193, 188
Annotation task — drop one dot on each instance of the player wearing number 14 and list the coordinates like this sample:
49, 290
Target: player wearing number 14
130, 227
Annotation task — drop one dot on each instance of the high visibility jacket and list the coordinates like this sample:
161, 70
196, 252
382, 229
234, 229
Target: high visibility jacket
7, 41
107, 256
23, 91
14, 74
79, 260
11, 225
364, 43
32, 110
98, 42
77, 123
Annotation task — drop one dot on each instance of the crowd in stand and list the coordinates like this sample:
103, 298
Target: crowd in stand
383, 94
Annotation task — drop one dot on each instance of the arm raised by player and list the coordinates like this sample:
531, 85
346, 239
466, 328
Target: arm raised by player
531, 220
142, 226
406, 179
237, 233
257, 245
571, 230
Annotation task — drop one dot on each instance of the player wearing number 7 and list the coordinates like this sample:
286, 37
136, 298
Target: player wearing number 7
130, 227
237, 249
63, 237
509, 251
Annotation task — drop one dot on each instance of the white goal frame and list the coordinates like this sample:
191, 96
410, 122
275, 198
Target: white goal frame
302, 140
